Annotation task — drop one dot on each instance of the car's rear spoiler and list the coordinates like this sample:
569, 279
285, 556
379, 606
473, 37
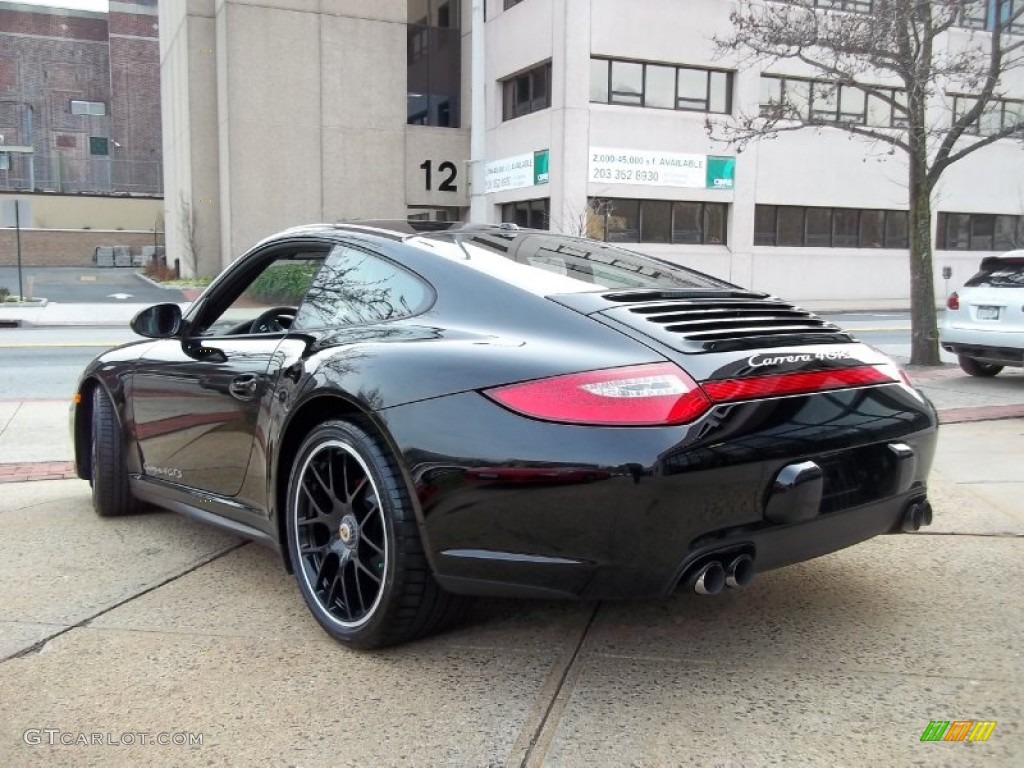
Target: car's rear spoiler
990, 263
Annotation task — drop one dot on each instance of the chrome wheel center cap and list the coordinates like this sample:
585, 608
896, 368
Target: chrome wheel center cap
348, 531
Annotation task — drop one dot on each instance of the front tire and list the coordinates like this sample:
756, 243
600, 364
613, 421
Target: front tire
355, 545
111, 494
977, 368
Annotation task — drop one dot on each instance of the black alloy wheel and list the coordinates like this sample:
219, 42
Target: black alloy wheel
108, 475
977, 368
354, 543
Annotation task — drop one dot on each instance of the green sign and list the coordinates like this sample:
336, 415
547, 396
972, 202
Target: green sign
721, 172
540, 167
99, 145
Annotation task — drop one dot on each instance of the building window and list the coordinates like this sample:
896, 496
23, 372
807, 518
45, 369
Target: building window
93, 108
813, 227
533, 214
433, 213
99, 145
660, 86
979, 232
999, 114
818, 101
618, 220
851, 6
527, 92
434, 63
987, 14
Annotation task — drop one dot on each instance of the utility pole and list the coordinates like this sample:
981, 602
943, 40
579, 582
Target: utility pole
17, 236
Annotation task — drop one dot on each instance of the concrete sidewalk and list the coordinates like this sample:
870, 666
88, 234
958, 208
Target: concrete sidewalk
153, 624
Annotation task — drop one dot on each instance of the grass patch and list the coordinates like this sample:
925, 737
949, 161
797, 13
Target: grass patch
188, 282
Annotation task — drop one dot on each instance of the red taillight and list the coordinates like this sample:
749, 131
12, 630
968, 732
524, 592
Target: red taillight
953, 302
662, 394
794, 383
638, 395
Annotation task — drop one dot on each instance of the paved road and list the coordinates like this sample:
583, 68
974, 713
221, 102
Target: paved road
48, 360
87, 285
889, 331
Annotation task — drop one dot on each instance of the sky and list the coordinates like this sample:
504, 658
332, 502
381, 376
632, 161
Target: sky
85, 5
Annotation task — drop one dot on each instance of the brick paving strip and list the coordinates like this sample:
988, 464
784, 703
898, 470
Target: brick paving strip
36, 470
64, 470
980, 413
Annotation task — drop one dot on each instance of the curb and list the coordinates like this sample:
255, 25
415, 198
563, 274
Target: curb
154, 283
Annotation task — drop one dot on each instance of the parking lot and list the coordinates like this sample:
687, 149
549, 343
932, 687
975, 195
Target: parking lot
93, 285
154, 627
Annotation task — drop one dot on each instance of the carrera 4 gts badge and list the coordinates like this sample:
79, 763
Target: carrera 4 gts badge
762, 360
171, 472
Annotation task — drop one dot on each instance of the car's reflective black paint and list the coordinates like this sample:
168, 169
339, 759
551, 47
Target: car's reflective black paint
507, 504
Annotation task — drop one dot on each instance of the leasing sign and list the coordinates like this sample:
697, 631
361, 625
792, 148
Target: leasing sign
517, 172
660, 169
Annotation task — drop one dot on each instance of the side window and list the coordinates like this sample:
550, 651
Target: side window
357, 288
281, 284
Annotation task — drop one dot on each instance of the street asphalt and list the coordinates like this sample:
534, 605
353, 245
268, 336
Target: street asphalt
135, 627
87, 285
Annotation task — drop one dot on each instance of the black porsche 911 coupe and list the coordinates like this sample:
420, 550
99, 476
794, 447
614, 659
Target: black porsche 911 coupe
412, 416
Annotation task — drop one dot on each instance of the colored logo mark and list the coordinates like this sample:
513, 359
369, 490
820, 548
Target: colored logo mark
958, 730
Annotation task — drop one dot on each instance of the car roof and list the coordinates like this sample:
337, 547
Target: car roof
397, 229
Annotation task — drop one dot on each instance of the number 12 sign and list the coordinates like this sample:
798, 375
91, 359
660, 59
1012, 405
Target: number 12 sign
446, 170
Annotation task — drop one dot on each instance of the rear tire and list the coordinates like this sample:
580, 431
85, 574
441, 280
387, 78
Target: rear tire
111, 494
977, 368
354, 542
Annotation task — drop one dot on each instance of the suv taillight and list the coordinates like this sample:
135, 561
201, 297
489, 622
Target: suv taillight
953, 302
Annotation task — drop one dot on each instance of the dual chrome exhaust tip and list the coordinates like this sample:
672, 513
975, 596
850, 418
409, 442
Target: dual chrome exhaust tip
715, 575
917, 514
712, 576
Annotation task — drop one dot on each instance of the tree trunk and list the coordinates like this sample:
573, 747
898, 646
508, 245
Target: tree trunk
924, 341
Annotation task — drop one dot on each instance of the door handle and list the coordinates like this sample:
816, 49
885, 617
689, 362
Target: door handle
244, 387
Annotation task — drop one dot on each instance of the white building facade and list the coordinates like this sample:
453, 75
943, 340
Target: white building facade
322, 110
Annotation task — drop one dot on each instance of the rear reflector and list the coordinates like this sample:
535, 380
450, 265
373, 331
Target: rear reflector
794, 383
637, 395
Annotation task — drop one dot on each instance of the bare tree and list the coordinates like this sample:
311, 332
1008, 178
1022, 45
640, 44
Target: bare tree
189, 235
587, 221
913, 87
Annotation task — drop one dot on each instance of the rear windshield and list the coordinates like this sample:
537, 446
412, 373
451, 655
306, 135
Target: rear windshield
999, 274
549, 263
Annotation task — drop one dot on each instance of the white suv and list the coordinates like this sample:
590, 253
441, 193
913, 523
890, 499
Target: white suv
984, 321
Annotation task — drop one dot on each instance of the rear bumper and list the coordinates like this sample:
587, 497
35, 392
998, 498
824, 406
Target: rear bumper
772, 546
547, 510
1004, 347
988, 354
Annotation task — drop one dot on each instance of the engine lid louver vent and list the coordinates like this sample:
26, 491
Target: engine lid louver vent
722, 323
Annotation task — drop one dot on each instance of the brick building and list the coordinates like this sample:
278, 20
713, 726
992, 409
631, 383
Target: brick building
82, 89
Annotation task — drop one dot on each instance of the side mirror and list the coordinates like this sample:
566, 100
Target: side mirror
161, 321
